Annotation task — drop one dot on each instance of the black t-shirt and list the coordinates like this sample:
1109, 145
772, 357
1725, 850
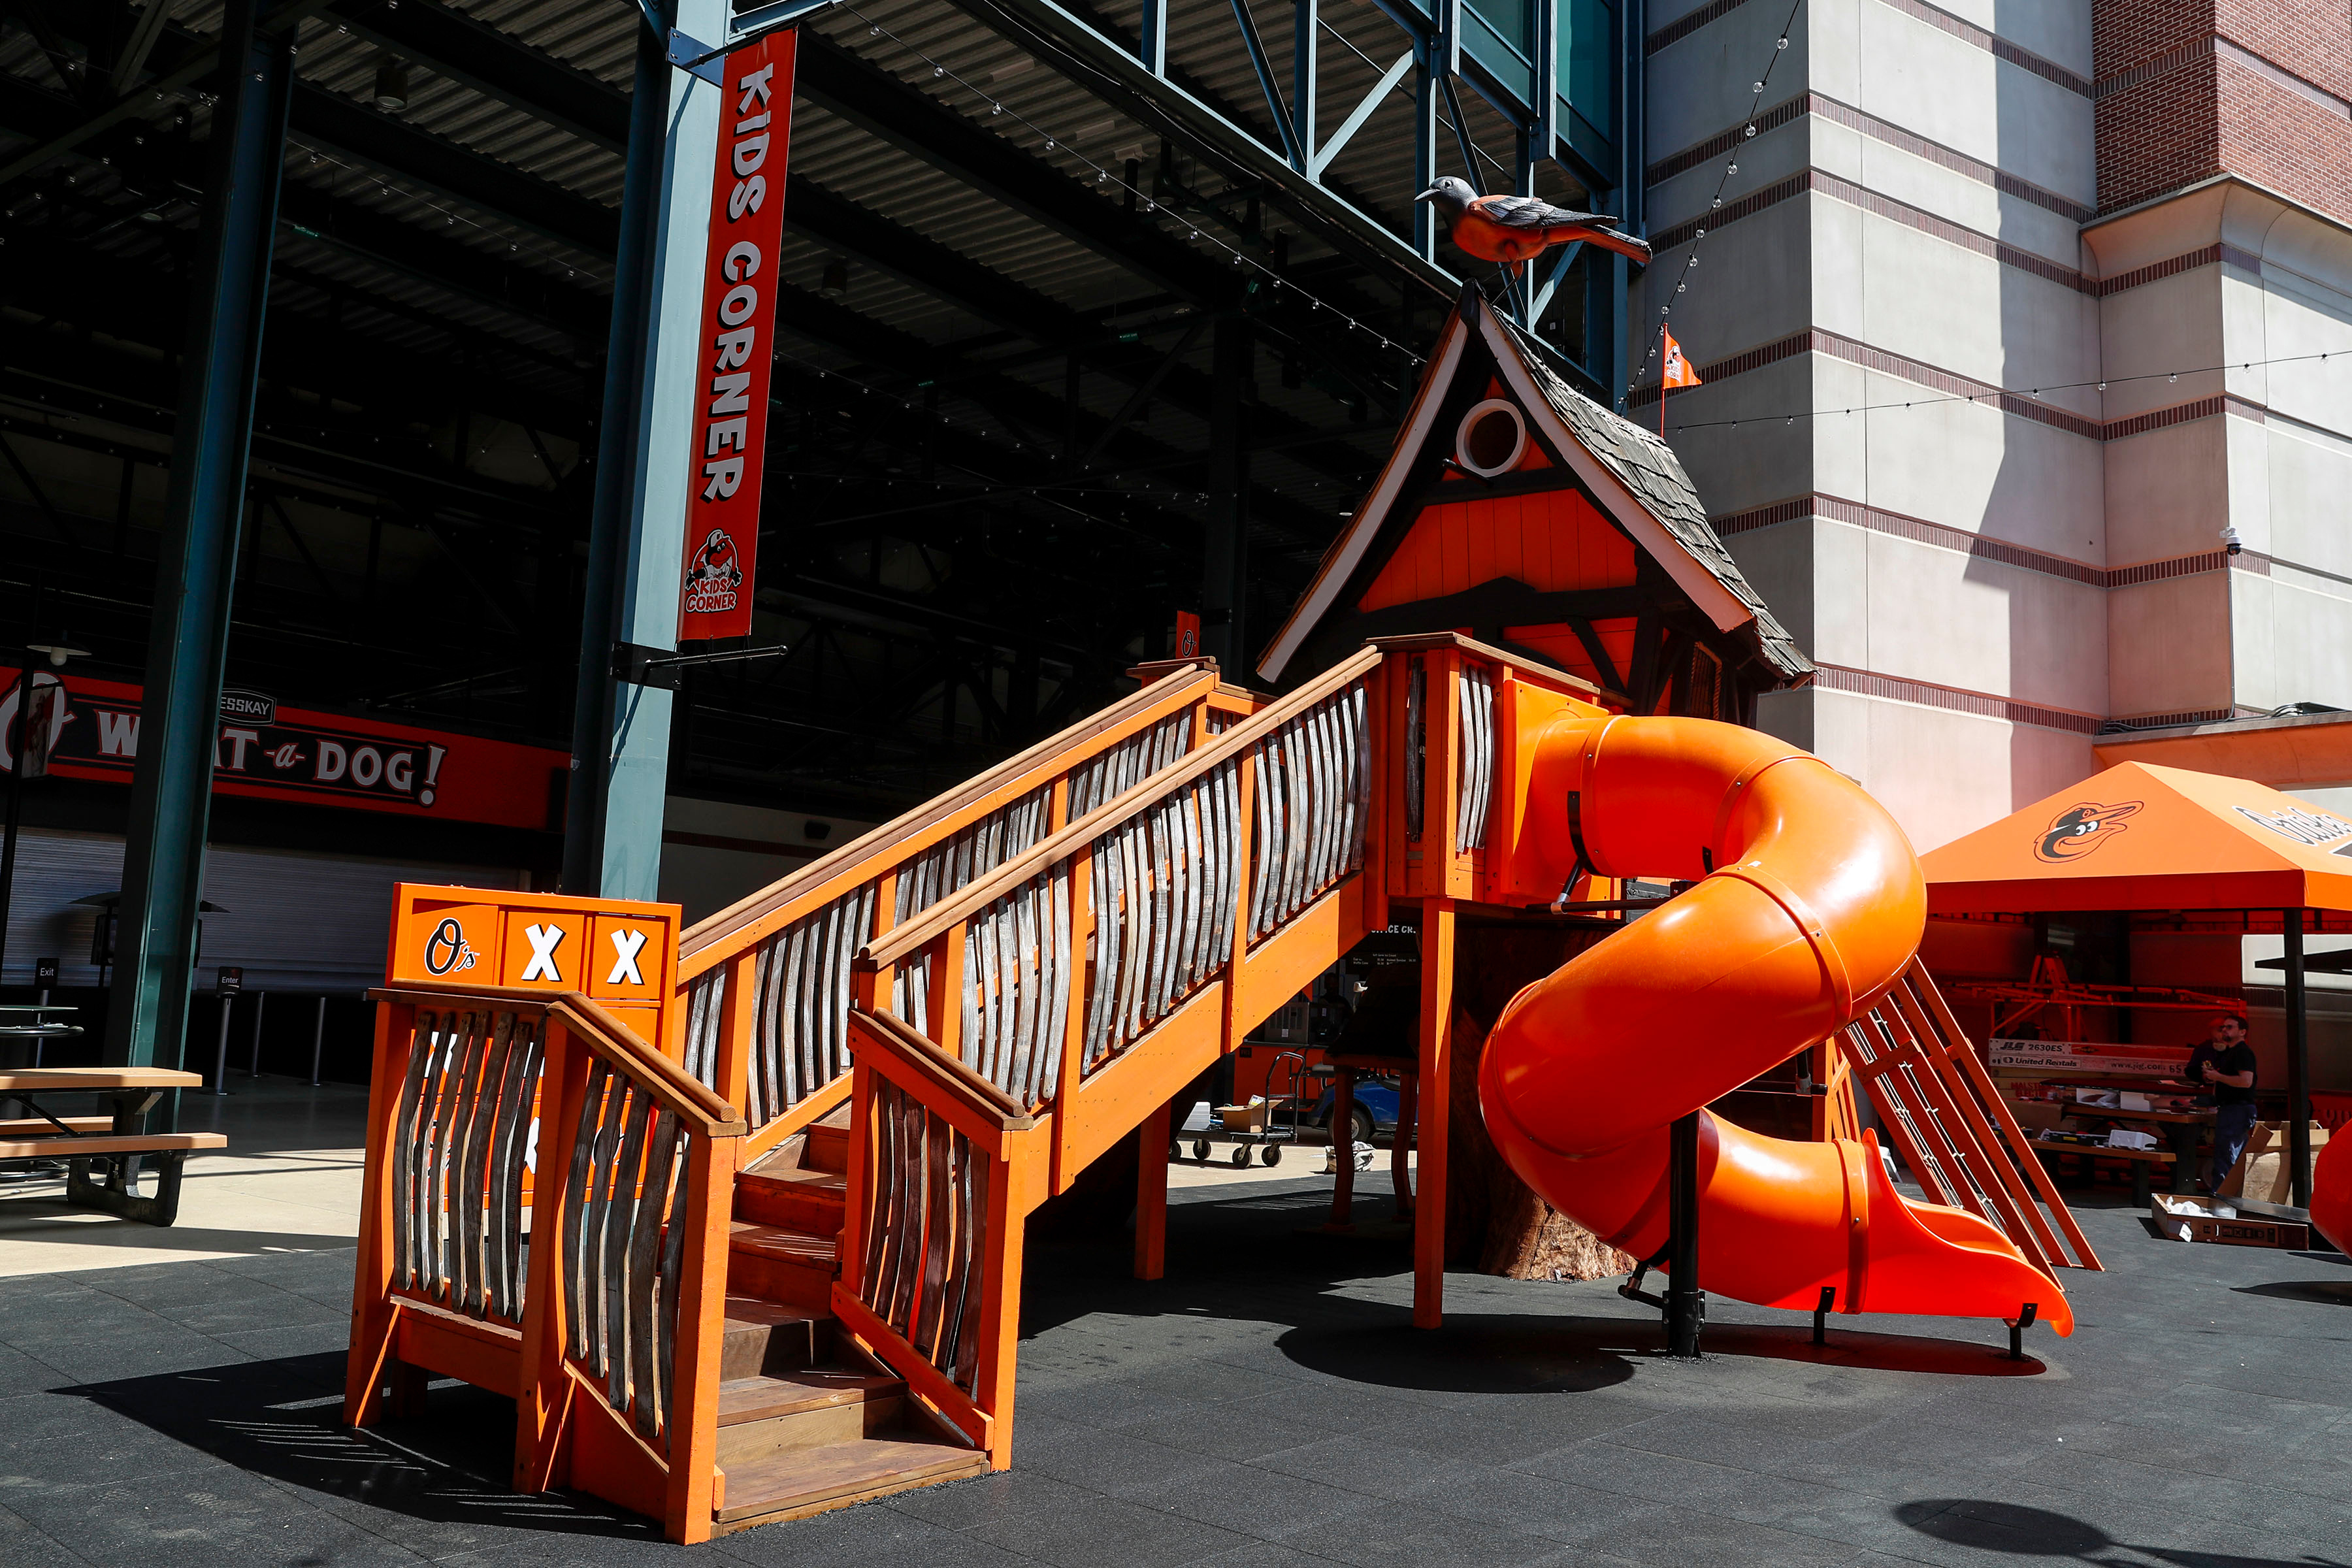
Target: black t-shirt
2236, 1058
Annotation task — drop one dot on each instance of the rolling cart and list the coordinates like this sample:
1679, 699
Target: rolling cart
1260, 1126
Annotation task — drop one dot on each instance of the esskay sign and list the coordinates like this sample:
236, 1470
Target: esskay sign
737, 340
316, 758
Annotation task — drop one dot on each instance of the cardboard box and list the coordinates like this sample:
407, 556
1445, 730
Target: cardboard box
2241, 1222
1242, 1118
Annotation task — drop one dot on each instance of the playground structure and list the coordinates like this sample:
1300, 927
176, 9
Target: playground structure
782, 1160
776, 1250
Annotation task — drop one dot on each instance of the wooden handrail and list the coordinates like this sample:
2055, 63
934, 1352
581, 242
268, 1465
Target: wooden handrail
948, 912
851, 864
1521, 668
984, 1099
692, 1103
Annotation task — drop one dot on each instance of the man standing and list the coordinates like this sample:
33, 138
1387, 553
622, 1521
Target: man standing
2225, 1063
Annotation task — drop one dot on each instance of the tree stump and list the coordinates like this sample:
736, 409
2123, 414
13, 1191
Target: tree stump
1494, 1223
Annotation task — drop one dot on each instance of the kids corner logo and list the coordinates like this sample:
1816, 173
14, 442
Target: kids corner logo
714, 575
2080, 829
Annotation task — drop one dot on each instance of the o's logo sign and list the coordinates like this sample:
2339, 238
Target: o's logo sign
446, 950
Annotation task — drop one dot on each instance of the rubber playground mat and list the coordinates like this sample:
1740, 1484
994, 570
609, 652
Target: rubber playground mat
1268, 1404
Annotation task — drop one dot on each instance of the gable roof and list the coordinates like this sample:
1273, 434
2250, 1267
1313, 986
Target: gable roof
1635, 477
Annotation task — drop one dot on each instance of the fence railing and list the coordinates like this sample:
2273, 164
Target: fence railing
1453, 715
1238, 836
774, 971
502, 1115
1949, 1120
989, 1024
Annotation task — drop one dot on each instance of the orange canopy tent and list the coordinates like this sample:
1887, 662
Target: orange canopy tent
2139, 837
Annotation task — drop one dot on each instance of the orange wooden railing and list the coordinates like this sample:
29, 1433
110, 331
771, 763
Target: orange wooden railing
1950, 1121
545, 1214
766, 983
1012, 1033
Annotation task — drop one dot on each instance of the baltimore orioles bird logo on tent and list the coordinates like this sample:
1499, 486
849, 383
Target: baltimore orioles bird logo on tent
2079, 829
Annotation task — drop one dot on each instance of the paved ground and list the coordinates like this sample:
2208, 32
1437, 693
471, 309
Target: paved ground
289, 1181
1267, 1406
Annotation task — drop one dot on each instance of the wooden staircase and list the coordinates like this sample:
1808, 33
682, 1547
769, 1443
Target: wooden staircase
788, 1216
806, 1422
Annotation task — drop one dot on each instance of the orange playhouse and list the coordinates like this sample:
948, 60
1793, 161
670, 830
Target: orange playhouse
770, 1258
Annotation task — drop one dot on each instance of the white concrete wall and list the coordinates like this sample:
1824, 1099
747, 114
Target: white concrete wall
1854, 597
2278, 467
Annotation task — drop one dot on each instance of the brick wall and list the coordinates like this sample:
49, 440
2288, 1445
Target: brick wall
2179, 99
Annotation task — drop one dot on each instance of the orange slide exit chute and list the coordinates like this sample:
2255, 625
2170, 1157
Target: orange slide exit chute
1809, 903
2331, 1191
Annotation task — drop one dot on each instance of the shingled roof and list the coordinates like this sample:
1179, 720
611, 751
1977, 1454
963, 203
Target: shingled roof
1648, 468
1634, 475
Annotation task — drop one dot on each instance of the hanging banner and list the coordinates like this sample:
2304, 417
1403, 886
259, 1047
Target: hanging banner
739, 317
84, 729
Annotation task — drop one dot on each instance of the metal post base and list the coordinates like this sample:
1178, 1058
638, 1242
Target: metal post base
1685, 1302
2023, 1320
1822, 1315
118, 1194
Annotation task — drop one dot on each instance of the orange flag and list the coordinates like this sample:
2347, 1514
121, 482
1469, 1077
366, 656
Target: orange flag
1678, 370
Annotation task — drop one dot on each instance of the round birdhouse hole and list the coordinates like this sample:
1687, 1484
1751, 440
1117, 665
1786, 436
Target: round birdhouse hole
1491, 438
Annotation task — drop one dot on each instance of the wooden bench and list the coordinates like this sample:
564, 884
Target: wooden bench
116, 1139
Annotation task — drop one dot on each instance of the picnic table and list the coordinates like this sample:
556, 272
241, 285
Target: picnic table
115, 1139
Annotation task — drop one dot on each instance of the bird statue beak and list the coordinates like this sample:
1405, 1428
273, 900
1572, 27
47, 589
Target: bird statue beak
1429, 195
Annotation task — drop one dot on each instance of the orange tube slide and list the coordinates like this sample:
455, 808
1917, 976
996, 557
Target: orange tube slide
1809, 903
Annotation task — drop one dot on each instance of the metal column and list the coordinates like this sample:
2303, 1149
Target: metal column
2298, 1067
1224, 560
1618, 362
1685, 1303
620, 757
171, 789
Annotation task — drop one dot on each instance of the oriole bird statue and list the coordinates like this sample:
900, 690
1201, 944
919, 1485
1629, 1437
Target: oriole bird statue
1512, 229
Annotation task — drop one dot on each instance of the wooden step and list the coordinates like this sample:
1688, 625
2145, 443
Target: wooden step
788, 1266
827, 1148
811, 1409
770, 1339
793, 1483
764, 1398
792, 1199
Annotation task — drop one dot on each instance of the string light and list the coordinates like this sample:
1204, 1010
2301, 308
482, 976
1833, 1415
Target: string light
1105, 176
2100, 385
1048, 491
450, 216
1731, 167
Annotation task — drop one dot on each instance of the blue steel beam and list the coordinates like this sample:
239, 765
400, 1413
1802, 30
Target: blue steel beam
635, 264
171, 789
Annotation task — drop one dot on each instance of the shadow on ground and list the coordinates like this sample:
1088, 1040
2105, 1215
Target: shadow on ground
449, 1464
2022, 1532
1260, 1240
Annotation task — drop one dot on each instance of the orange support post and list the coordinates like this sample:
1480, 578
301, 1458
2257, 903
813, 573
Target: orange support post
999, 1308
1401, 1141
702, 1307
373, 1312
1152, 1197
1435, 1098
